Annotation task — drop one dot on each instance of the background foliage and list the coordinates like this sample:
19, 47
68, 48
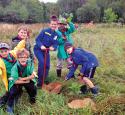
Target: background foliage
32, 11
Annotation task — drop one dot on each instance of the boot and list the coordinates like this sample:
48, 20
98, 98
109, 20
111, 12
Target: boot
95, 90
58, 72
83, 89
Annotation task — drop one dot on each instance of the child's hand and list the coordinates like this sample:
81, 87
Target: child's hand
51, 48
66, 78
27, 81
43, 48
23, 79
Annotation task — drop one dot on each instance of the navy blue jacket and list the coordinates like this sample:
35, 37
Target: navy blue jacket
47, 38
84, 58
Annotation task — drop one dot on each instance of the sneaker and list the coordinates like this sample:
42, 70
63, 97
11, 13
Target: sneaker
2, 103
10, 110
95, 90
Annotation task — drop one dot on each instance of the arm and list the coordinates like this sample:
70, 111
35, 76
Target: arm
71, 71
60, 38
19, 46
39, 39
3, 74
21, 81
71, 28
28, 78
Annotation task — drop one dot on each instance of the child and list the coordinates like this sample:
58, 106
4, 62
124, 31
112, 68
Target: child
46, 41
23, 34
64, 30
22, 74
7, 60
88, 61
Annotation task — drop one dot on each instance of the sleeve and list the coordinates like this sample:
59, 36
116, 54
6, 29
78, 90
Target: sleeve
20, 45
39, 39
28, 47
30, 66
14, 73
0, 72
71, 71
3, 74
4, 78
71, 28
14, 76
60, 39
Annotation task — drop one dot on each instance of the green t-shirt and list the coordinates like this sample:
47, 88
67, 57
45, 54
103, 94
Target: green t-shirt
20, 71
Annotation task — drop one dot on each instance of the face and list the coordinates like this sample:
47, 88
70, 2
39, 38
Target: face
4, 53
53, 25
23, 60
22, 34
62, 27
69, 50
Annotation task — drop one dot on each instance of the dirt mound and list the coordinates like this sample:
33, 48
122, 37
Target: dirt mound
54, 87
82, 103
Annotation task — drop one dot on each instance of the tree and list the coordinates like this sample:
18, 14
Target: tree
35, 10
16, 12
109, 16
88, 13
70, 6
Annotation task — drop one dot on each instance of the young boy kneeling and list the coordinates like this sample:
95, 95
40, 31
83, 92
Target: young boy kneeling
22, 74
88, 61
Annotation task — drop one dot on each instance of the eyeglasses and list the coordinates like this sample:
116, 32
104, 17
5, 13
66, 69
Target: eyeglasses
22, 57
4, 51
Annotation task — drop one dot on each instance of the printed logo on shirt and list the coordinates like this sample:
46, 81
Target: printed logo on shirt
55, 38
47, 33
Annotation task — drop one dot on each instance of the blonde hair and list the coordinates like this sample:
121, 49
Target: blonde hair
22, 53
25, 28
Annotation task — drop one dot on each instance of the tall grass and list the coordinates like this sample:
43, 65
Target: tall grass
107, 43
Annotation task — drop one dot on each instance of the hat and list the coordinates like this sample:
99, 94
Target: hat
62, 20
53, 18
67, 45
4, 45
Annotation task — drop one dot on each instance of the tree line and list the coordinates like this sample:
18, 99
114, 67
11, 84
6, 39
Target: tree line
34, 11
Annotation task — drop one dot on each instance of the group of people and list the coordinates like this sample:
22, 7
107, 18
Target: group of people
17, 61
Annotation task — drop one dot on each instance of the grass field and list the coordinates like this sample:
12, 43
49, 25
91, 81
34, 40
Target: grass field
108, 44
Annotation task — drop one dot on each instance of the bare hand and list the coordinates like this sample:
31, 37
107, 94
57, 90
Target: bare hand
27, 81
43, 48
51, 48
23, 79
